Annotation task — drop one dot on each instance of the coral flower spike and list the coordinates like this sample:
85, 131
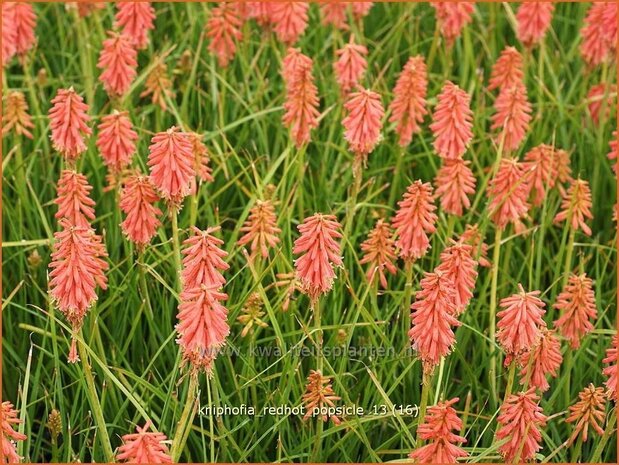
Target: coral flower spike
223, 28
118, 60
512, 117
135, 19
137, 201
576, 206
260, 229
144, 447
454, 183
334, 13
319, 252
441, 423
25, 22
319, 395
577, 305
414, 220
16, 117
611, 370
520, 321
458, 264
452, 122
363, 122
589, 411
203, 260
379, 252
433, 313
452, 17
542, 360
508, 70
533, 21
69, 118
350, 65
596, 47
171, 163
73, 199
289, 19
508, 192
520, 420
8, 421
9, 33
542, 166
116, 140
408, 107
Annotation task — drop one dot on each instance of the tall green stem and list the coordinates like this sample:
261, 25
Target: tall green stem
178, 443
423, 404
492, 315
352, 199
95, 405
319, 362
176, 245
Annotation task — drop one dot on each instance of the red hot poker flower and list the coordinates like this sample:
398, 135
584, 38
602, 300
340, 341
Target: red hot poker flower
452, 122
289, 19
363, 122
408, 107
543, 359
69, 118
8, 421
577, 304
116, 140
223, 28
414, 220
361, 9
600, 98
542, 167
118, 60
508, 192
293, 63
334, 13
73, 199
589, 411
576, 206
261, 229
16, 115
433, 317
171, 163
512, 117
611, 370
458, 264
9, 33
438, 428
319, 396
520, 420
135, 19
25, 21
508, 71
533, 21
472, 236
319, 252
144, 447
137, 201
452, 17
379, 253
454, 183
350, 65
596, 47
203, 260
520, 321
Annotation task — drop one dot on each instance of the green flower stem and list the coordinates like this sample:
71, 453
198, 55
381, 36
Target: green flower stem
492, 315
180, 437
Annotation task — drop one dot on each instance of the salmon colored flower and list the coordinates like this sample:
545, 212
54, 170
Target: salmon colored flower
577, 305
597, 46
508, 192
9, 33
350, 65
441, 423
452, 122
84, 9
25, 21
379, 252
260, 11
301, 105
260, 229
202, 325
293, 63
116, 140
414, 220
8, 422
614, 151
601, 97
144, 447
158, 85
458, 264
520, 420
361, 9
69, 118
334, 13
289, 20
611, 370
16, 117
118, 60
609, 22
472, 236
171, 163
589, 411
319, 396
576, 206
454, 183
203, 262
452, 17
201, 158
433, 315
73, 199
508, 70
512, 117
136, 19
408, 107
541, 165
363, 122
533, 21
543, 359
223, 28
520, 321
137, 201
319, 253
